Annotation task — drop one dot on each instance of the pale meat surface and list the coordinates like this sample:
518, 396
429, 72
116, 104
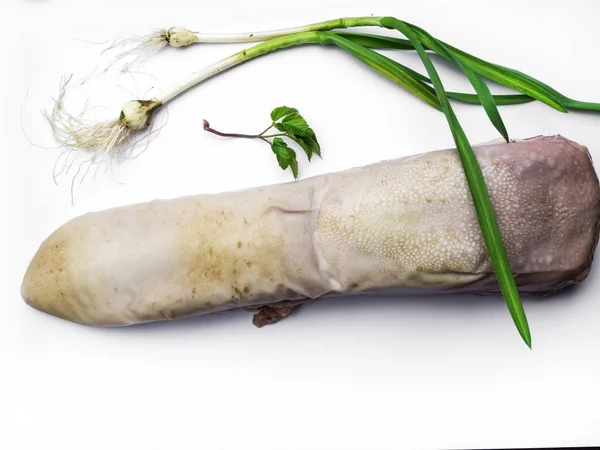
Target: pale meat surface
405, 224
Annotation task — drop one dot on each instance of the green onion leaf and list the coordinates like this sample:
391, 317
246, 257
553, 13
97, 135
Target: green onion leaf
479, 192
401, 75
509, 99
504, 75
507, 77
518, 80
377, 42
481, 88
485, 97
568, 102
583, 106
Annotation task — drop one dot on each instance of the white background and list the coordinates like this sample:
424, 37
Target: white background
412, 372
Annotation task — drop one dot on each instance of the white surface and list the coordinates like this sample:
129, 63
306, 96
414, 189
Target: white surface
389, 373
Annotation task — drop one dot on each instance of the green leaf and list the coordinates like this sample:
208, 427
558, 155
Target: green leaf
495, 72
296, 128
519, 81
583, 106
401, 75
281, 111
485, 97
483, 92
507, 77
308, 142
555, 100
294, 124
481, 199
286, 157
567, 102
377, 42
509, 99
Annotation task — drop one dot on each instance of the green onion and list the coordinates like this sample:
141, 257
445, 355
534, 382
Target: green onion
376, 42
481, 198
508, 99
396, 72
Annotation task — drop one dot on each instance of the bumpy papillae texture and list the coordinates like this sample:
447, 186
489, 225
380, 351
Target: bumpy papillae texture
396, 226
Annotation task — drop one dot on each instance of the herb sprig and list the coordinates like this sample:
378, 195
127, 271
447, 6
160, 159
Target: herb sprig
291, 126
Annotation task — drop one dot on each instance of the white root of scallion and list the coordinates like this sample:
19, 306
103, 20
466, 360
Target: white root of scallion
136, 47
113, 138
73, 131
106, 140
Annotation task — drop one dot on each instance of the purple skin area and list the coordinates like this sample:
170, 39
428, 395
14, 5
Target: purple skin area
552, 235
